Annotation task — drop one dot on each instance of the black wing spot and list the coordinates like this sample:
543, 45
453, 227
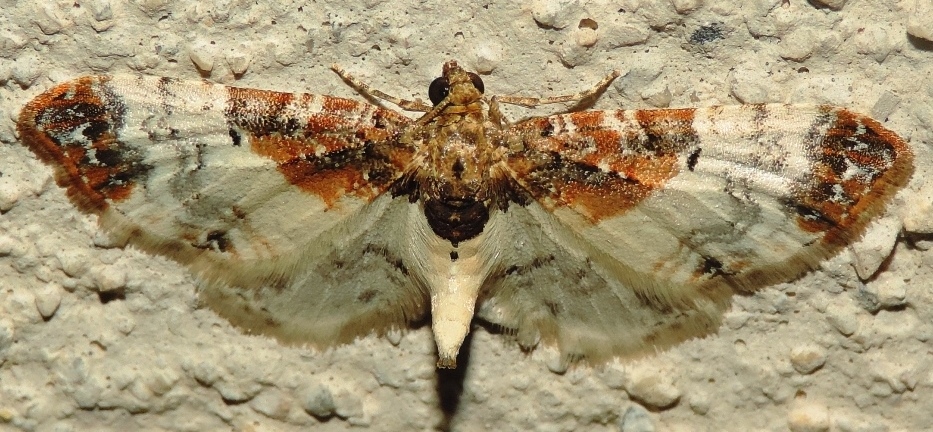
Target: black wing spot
215, 240
108, 157
712, 266
693, 158
812, 215
235, 136
95, 129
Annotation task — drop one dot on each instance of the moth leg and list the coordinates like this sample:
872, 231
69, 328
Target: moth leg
415, 105
586, 94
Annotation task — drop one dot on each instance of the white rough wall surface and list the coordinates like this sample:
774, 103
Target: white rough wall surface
98, 338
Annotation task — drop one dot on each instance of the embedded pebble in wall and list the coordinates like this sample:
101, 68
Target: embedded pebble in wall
220, 10
206, 371
572, 53
26, 70
626, 35
6, 68
636, 419
108, 281
234, 390
394, 336
653, 389
843, 317
10, 246
555, 14
153, 8
750, 85
631, 83
658, 94
886, 104
285, 53
808, 417
806, 359
891, 291
318, 401
10, 192
586, 35
920, 20
73, 262
12, 39
159, 380
486, 57
684, 7
102, 15
100, 10
699, 402
51, 19
272, 403
798, 45
7, 331
48, 300
238, 59
875, 246
917, 216
349, 406
202, 56
874, 42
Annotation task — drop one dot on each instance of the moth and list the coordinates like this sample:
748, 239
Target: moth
606, 234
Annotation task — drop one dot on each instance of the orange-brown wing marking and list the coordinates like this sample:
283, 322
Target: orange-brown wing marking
73, 127
601, 163
342, 147
857, 166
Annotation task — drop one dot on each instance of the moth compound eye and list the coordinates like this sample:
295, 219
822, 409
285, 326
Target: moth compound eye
438, 90
477, 82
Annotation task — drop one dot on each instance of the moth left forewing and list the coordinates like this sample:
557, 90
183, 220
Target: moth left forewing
251, 189
685, 206
192, 169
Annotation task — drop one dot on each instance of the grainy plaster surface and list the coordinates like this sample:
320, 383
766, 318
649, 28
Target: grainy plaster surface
100, 338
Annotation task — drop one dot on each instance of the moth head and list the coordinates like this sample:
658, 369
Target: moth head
464, 87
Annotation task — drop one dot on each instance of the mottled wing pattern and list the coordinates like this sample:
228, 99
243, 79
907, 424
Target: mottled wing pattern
252, 189
674, 210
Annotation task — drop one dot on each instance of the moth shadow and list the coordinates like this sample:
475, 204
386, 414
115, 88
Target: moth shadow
450, 384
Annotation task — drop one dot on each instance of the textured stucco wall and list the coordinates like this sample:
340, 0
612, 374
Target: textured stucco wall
831, 351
